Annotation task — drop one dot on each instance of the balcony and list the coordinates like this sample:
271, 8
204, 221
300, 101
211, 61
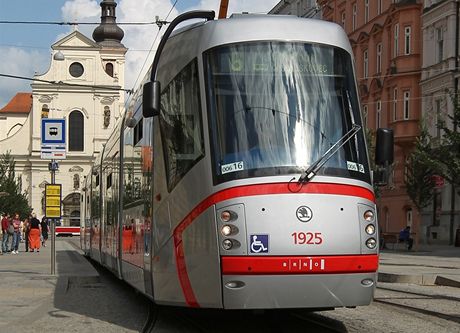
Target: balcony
405, 131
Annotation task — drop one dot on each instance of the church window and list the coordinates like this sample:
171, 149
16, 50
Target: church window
76, 69
109, 69
76, 131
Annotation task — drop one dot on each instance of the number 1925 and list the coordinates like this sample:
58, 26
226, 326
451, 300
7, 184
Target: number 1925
308, 238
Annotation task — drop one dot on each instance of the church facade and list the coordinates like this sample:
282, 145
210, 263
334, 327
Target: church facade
84, 85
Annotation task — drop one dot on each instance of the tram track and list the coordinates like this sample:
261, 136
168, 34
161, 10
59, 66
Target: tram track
417, 297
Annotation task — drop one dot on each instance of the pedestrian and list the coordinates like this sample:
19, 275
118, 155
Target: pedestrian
16, 234
404, 236
5, 234
26, 229
45, 231
34, 234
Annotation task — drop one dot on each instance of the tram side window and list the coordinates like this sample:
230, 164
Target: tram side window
181, 125
95, 208
128, 167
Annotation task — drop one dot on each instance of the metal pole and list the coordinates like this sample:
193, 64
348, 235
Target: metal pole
52, 224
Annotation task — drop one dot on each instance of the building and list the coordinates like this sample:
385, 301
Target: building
83, 85
387, 43
14, 114
302, 8
440, 75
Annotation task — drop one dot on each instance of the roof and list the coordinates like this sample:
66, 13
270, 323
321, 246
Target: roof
20, 103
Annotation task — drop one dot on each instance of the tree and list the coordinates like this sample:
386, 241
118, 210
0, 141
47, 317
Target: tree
11, 200
419, 175
446, 160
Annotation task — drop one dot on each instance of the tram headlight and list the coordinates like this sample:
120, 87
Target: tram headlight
369, 215
227, 244
371, 243
227, 216
226, 230
370, 229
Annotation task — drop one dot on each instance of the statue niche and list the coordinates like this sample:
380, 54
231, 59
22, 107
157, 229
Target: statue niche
106, 116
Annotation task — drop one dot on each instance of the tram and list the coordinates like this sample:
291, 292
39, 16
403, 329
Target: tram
239, 176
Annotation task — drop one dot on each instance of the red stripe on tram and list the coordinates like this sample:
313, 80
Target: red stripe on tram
276, 265
244, 191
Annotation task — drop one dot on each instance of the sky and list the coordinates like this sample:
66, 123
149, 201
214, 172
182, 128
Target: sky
25, 49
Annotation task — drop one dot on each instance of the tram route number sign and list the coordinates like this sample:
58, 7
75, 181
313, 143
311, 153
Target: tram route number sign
53, 200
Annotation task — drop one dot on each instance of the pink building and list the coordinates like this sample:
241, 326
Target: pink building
386, 37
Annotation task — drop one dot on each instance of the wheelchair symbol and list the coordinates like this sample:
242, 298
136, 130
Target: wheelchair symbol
259, 243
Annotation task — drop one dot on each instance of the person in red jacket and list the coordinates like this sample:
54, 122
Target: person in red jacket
6, 236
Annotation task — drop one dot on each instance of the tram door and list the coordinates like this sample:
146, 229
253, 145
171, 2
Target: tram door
147, 184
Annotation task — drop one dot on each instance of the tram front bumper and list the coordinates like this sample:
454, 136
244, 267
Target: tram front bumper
298, 291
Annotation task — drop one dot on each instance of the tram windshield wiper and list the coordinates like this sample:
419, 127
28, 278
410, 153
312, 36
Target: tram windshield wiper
313, 169
308, 174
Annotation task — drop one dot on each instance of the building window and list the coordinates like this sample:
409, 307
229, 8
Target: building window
379, 114
395, 103
379, 7
379, 57
109, 68
439, 45
76, 69
365, 64
406, 104
396, 43
76, 131
366, 11
343, 19
409, 217
438, 116
407, 32
355, 13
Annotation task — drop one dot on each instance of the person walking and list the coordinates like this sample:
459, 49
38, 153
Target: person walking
45, 231
26, 229
34, 234
16, 234
6, 233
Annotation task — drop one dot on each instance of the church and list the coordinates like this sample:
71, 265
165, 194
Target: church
84, 85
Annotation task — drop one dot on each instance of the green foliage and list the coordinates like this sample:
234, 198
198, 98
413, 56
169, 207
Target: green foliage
419, 175
11, 198
446, 159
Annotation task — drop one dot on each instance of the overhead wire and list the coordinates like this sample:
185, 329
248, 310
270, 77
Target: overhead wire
64, 83
148, 55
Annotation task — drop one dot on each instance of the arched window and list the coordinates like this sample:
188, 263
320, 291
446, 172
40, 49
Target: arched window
76, 131
109, 69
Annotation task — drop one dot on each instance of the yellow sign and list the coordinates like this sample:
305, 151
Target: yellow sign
53, 201
53, 212
53, 189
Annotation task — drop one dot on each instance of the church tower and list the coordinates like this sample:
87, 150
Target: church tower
87, 90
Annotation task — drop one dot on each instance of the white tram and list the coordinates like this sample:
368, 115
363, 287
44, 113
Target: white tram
239, 178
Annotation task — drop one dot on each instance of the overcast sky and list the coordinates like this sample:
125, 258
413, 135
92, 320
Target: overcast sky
26, 49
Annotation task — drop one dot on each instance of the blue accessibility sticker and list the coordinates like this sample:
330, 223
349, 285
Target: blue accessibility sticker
258, 243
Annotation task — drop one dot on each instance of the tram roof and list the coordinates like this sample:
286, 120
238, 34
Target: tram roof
258, 27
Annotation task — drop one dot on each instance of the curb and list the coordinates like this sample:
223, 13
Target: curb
424, 279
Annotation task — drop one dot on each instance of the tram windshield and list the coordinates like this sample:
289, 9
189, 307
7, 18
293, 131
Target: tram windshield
276, 107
